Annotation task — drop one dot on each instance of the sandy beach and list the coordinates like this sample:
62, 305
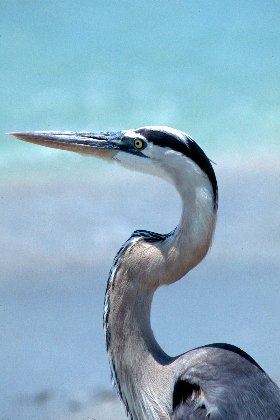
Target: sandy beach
59, 233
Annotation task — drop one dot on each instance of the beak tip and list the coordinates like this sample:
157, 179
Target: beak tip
16, 134
28, 136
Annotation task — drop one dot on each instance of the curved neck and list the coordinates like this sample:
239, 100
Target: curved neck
135, 357
141, 369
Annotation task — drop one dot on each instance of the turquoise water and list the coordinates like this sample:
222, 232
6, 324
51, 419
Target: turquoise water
209, 68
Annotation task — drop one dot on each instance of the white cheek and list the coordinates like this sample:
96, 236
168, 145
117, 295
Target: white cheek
128, 159
141, 164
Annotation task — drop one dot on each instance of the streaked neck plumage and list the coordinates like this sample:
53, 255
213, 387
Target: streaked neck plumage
141, 369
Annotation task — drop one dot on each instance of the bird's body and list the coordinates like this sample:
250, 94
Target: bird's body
217, 381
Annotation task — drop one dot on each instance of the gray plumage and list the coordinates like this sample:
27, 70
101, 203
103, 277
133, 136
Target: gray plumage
217, 381
233, 386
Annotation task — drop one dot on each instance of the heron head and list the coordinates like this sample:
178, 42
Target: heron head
162, 151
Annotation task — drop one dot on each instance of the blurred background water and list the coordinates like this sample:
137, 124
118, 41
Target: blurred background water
209, 68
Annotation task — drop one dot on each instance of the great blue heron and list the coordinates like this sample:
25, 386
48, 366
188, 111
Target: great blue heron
216, 381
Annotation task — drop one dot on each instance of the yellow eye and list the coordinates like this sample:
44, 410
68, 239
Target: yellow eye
139, 144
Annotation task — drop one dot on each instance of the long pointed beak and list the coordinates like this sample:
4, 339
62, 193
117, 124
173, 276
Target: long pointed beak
100, 144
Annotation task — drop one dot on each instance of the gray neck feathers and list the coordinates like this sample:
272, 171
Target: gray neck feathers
141, 370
